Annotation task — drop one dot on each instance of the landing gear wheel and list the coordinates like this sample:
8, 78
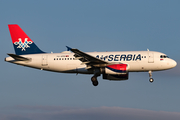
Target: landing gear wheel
151, 80
94, 81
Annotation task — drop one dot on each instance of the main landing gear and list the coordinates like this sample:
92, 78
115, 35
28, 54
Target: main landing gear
150, 75
94, 80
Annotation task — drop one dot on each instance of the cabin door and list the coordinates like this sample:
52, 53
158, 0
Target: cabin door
151, 57
44, 60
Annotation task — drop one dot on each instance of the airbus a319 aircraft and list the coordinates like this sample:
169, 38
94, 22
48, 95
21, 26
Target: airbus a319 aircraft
112, 65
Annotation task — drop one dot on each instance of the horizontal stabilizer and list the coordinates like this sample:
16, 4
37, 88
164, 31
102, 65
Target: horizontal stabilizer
19, 58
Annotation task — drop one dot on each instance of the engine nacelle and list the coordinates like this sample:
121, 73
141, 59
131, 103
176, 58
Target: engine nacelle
115, 69
116, 77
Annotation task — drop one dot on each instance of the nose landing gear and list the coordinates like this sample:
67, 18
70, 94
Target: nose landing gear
150, 75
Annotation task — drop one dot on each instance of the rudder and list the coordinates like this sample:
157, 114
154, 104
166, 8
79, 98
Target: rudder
22, 43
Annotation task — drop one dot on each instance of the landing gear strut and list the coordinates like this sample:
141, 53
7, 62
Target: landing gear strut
150, 75
94, 81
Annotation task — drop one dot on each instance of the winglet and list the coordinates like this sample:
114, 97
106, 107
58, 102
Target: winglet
68, 48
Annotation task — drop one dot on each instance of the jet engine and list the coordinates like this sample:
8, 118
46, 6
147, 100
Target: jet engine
115, 69
115, 72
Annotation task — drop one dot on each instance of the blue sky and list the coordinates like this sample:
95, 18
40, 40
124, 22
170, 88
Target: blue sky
96, 25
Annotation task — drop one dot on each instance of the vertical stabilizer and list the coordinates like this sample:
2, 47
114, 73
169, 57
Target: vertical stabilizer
22, 43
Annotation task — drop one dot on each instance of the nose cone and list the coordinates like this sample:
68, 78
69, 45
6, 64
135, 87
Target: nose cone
173, 63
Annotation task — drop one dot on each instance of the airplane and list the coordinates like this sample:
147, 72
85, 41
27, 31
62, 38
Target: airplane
112, 65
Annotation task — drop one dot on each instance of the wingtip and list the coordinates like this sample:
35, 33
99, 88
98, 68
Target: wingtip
68, 48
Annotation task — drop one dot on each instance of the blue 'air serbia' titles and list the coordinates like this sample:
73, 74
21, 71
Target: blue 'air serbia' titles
123, 57
111, 65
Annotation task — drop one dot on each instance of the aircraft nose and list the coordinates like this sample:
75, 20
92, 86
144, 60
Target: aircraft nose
173, 63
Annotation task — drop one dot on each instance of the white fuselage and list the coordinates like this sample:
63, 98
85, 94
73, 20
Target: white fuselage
65, 62
111, 65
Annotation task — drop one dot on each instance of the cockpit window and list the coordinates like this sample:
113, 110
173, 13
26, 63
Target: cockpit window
164, 56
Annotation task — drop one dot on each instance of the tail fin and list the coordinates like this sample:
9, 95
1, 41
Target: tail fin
22, 43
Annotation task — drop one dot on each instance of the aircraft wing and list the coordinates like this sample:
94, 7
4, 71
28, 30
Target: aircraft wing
88, 59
